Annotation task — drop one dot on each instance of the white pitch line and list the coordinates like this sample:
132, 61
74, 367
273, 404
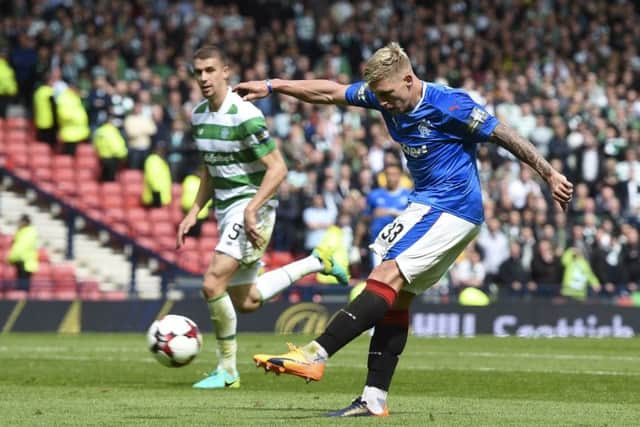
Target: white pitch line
349, 365
474, 354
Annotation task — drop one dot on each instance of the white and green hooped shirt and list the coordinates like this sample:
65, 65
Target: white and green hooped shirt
232, 140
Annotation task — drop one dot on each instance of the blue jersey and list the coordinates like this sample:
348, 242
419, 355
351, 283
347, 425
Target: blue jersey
438, 138
383, 198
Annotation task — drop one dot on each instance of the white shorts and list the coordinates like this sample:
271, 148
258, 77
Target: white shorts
424, 241
234, 242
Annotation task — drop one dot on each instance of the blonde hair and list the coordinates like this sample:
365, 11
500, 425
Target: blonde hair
386, 62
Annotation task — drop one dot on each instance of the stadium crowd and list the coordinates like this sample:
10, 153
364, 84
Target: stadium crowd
565, 74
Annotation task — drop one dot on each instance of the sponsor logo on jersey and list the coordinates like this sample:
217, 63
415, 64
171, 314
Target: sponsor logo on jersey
476, 118
414, 151
217, 157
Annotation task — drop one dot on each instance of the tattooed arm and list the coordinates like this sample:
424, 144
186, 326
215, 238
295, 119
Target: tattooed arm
507, 137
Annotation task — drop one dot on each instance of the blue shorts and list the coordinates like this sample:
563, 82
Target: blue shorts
424, 241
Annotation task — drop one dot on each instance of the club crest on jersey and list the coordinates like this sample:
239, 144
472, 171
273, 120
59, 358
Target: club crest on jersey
424, 127
224, 133
200, 131
476, 118
414, 151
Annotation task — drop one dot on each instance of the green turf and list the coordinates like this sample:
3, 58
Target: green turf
112, 380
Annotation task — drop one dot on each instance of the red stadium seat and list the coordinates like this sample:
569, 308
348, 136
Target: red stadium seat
169, 255
114, 215
162, 228
135, 215
15, 294
62, 173
41, 174
63, 161
208, 244
88, 162
114, 296
159, 214
121, 228
85, 150
209, 229
132, 201
20, 123
166, 242
111, 202
65, 294
86, 174
130, 176
89, 290
87, 200
40, 160
176, 191
43, 256
86, 187
148, 242
111, 189
40, 150
140, 228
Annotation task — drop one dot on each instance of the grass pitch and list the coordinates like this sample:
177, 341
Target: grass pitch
95, 379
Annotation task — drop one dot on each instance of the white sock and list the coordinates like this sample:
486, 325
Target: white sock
316, 351
273, 282
225, 324
376, 399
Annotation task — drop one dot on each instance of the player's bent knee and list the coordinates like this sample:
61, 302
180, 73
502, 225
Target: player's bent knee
388, 272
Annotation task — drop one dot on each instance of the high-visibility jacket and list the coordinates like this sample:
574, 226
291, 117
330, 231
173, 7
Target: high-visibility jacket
43, 110
25, 248
157, 178
73, 120
190, 187
109, 142
8, 84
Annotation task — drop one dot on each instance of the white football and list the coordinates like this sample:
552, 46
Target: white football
174, 340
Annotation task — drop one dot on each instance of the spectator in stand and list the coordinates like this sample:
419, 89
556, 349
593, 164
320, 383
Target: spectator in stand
8, 84
23, 253
317, 219
139, 128
73, 121
45, 112
630, 259
495, 247
99, 101
513, 279
546, 270
578, 275
181, 151
286, 232
156, 191
111, 148
469, 271
24, 60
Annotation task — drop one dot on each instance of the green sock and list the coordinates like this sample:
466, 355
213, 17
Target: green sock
225, 324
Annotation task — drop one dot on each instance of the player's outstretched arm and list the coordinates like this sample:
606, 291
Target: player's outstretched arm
312, 91
275, 174
508, 137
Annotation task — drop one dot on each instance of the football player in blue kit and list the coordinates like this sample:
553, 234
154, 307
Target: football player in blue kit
437, 128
